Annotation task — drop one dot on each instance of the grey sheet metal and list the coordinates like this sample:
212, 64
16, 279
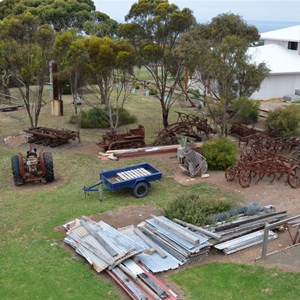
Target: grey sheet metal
244, 242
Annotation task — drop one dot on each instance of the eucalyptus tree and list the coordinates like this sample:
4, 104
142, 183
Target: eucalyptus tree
216, 55
153, 29
110, 67
69, 51
25, 49
101, 25
62, 15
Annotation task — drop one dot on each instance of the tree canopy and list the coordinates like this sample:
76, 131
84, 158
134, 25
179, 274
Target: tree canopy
153, 29
25, 48
61, 14
216, 53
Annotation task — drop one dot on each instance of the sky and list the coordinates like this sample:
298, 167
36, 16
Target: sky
259, 10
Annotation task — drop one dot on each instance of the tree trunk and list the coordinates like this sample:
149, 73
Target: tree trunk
165, 115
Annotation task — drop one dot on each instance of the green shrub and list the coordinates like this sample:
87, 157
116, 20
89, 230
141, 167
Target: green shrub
125, 117
98, 118
153, 91
194, 92
246, 111
196, 209
283, 121
220, 153
137, 86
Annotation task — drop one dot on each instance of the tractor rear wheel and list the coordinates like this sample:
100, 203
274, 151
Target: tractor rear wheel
140, 190
49, 175
15, 166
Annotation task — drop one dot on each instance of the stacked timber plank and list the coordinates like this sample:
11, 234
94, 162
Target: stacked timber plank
132, 174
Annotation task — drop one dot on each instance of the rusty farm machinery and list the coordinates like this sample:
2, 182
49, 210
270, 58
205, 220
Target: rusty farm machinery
112, 140
50, 137
34, 166
253, 166
187, 125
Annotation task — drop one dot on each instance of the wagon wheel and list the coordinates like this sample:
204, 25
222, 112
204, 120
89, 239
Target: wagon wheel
295, 155
244, 179
231, 173
294, 177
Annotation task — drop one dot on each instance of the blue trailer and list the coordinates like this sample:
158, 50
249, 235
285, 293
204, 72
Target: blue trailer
135, 177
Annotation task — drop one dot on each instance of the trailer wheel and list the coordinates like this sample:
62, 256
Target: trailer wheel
15, 166
140, 190
49, 175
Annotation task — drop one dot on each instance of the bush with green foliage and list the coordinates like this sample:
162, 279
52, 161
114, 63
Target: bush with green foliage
220, 153
247, 111
194, 92
153, 91
283, 121
98, 118
197, 209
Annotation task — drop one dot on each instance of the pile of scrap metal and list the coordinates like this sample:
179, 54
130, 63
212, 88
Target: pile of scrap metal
112, 250
241, 227
134, 138
158, 244
132, 255
50, 137
191, 162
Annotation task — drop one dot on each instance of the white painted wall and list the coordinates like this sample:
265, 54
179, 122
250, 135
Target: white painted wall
277, 86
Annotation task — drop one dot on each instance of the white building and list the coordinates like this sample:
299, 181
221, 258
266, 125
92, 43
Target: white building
281, 53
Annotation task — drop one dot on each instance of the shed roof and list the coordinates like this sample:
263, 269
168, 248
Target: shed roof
278, 59
285, 34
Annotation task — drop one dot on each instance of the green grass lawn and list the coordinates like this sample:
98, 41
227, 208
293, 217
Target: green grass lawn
221, 281
33, 262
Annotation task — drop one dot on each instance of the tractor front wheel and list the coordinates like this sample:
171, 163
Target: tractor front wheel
15, 166
48, 162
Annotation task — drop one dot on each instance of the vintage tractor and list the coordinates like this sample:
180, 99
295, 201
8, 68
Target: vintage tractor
112, 140
32, 167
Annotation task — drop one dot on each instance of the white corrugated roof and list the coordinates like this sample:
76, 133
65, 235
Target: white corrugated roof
278, 59
285, 34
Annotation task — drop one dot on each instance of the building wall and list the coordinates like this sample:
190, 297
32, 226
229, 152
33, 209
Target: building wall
277, 86
283, 44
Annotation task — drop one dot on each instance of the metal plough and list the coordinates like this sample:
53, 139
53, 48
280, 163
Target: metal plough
254, 166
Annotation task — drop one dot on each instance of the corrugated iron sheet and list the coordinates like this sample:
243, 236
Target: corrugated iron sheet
149, 257
245, 241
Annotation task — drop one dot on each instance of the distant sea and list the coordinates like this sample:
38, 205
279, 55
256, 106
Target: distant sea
264, 26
